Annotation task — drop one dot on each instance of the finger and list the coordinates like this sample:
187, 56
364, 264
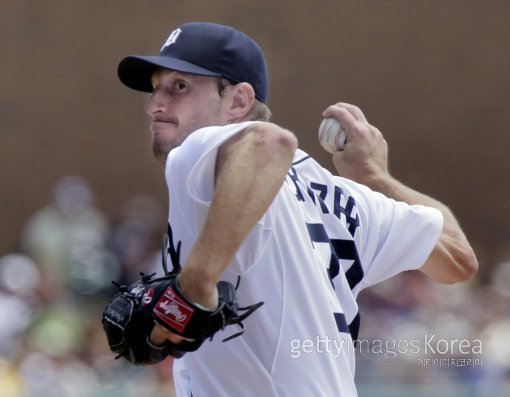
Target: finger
352, 109
342, 115
355, 111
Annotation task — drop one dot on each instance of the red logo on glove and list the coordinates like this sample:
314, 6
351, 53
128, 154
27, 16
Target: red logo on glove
173, 311
147, 297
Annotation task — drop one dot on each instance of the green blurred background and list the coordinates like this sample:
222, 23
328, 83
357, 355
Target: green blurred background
82, 199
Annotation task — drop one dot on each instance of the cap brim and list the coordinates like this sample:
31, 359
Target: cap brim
136, 71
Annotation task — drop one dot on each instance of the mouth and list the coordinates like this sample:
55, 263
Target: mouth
161, 123
158, 125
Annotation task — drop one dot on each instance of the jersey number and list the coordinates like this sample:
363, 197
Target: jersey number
345, 250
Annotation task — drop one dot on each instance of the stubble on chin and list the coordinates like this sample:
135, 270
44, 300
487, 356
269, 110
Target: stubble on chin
160, 151
161, 148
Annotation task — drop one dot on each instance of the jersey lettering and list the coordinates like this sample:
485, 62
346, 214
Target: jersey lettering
343, 205
294, 178
322, 191
346, 210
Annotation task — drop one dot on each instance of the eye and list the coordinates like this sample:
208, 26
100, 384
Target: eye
179, 87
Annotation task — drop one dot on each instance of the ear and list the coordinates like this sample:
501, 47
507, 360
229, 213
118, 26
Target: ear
242, 97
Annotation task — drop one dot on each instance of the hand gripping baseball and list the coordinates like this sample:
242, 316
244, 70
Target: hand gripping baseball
365, 157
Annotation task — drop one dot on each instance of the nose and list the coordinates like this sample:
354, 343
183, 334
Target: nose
155, 103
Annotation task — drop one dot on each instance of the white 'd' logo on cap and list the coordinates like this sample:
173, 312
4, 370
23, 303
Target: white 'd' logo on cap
172, 38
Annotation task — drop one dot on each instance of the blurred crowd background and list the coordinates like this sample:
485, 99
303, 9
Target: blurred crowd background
83, 202
54, 287
53, 290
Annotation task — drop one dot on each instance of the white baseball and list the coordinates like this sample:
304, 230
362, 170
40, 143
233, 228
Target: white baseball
332, 135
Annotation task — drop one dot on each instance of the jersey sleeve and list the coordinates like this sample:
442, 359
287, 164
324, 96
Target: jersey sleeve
200, 181
191, 166
395, 236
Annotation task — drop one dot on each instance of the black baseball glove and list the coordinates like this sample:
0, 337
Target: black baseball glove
130, 316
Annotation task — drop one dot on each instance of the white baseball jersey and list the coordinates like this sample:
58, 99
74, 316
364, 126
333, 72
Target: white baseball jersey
322, 240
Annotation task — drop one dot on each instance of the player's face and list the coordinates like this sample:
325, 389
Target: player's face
181, 103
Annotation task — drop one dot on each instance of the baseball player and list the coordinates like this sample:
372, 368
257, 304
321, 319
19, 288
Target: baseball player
249, 209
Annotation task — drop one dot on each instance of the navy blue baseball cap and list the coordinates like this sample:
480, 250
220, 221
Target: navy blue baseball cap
206, 49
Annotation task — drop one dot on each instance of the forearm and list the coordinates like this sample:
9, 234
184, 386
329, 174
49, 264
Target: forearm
452, 259
365, 160
250, 170
396, 190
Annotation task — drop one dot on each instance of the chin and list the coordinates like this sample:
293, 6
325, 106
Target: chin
160, 152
